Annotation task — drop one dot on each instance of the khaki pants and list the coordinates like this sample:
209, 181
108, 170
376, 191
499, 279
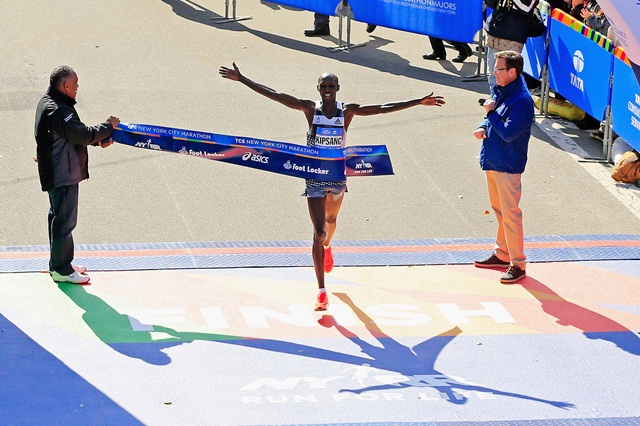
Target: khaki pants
505, 190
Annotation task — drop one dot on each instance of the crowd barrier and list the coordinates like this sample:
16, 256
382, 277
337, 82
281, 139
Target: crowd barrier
625, 100
570, 58
584, 67
457, 20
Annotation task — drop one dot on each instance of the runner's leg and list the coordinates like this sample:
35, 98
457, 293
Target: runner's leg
317, 214
331, 215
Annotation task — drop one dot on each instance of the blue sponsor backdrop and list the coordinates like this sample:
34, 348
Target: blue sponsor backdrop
625, 103
326, 7
580, 70
457, 20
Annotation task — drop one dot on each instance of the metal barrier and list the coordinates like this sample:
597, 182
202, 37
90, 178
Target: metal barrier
233, 17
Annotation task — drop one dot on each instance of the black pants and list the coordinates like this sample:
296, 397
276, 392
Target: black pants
63, 217
438, 47
320, 20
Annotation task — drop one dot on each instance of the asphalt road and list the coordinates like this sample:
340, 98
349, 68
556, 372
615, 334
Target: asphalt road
156, 62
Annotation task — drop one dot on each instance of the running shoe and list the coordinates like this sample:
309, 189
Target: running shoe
323, 301
328, 260
81, 269
74, 278
78, 268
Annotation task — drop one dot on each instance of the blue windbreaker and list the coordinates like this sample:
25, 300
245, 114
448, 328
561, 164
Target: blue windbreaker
508, 130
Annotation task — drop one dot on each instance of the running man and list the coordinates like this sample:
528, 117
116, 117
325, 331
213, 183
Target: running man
325, 198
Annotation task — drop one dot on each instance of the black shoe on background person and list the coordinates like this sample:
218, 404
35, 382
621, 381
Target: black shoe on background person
462, 55
460, 58
371, 28
588, 122
433, 56
317, 32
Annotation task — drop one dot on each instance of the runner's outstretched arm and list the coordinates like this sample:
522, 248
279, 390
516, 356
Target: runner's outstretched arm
283, 98
429, 100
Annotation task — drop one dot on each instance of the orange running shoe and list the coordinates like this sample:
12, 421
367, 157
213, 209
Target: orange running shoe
323, 301
328, 260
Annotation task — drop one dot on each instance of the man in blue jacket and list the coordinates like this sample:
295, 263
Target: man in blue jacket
62, 141
505, 133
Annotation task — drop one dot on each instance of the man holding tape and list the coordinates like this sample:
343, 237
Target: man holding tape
62, 141
328, 122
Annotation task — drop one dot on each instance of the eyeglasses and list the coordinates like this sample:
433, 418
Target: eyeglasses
500, 69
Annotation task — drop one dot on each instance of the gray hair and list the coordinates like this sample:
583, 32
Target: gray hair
59, 75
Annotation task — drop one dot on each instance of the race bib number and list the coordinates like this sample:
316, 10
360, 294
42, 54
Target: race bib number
329, 137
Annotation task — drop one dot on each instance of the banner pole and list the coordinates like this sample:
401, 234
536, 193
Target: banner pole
226, 19
546, 85
544, 92
481, 53
607, 141
344, 10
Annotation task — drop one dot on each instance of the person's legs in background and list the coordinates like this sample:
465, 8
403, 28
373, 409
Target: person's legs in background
464, 51
438, 49
320, 26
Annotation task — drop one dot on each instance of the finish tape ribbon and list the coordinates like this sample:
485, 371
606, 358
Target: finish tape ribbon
324, 164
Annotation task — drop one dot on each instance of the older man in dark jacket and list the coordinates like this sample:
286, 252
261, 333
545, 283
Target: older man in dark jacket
62, 141
505, 133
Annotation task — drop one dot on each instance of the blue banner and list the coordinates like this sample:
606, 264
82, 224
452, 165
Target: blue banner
326, 7
536, 49
457, 20
277, 157
625, 104
580, 69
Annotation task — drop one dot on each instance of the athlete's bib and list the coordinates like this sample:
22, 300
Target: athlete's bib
327, 133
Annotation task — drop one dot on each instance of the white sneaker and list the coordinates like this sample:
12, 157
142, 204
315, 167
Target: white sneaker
74, 278
79, 268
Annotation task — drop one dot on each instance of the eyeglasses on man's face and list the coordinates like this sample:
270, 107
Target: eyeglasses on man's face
500, 69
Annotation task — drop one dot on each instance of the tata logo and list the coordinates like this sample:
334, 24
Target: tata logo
255, 157
578, 61
578, 65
